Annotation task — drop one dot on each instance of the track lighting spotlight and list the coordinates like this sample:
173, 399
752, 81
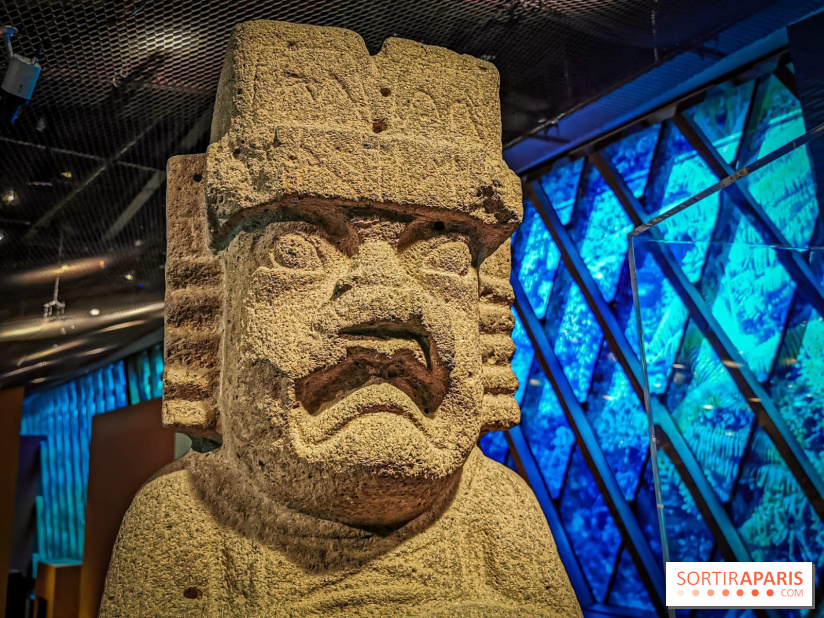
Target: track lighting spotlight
20, 79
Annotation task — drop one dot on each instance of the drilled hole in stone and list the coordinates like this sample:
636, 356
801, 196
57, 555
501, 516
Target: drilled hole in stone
378, 125
197, 177
439, 225
386, 92
192, 593
236, 153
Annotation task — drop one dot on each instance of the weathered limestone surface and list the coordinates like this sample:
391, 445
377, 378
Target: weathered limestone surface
338, 313
303, 111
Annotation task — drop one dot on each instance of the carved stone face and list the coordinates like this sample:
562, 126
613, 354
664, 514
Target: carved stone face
325, 311
351, 381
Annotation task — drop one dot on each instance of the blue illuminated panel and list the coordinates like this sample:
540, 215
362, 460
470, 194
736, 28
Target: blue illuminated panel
776, 121
771, 511
546, 430
753, 299
561, 185
646, 511
524, 353
722, 114
572, 331
494, 446
710, 412
632, 157
619, 421
680, 173
627, 589
786, 188
590, 527
535, 259
63, 417
145, 370
578, 342
750, 294
663, 321
797, 386
688, 538
600, 232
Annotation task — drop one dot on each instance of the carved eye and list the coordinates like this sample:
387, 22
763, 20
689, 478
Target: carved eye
451, 257
295, 251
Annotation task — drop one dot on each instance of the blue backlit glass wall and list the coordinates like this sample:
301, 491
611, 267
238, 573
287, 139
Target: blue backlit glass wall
62, 417
570, 259
145, 372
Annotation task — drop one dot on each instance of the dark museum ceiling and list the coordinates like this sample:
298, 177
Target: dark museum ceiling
127, 84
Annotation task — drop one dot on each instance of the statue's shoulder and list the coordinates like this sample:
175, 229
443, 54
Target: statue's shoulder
500, 487
172, 477
507, 504
168, 501
522, 561
165, 554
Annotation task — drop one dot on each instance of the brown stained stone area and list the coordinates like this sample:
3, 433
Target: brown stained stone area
338, 314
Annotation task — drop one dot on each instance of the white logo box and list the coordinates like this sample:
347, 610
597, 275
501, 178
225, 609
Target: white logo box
752, 585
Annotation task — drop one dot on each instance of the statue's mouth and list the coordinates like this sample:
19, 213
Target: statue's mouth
389, 338
400, 355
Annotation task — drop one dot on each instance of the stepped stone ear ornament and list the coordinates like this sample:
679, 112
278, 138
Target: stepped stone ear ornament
194, 306
338, 316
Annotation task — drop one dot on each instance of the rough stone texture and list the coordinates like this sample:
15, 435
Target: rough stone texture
194, 306
343, 323
303, 112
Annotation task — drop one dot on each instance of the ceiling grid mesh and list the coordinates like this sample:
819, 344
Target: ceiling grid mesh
127, 84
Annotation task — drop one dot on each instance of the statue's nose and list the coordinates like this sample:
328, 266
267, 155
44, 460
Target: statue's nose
376, 264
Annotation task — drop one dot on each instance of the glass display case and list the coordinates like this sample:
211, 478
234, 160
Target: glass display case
729, 301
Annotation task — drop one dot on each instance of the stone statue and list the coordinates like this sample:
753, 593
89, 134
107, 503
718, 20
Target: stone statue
338, 313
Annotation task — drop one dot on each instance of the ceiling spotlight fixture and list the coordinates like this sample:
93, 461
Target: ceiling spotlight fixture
129, 276
2, 235
9, 196
66, 174
21, 77
94, 311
